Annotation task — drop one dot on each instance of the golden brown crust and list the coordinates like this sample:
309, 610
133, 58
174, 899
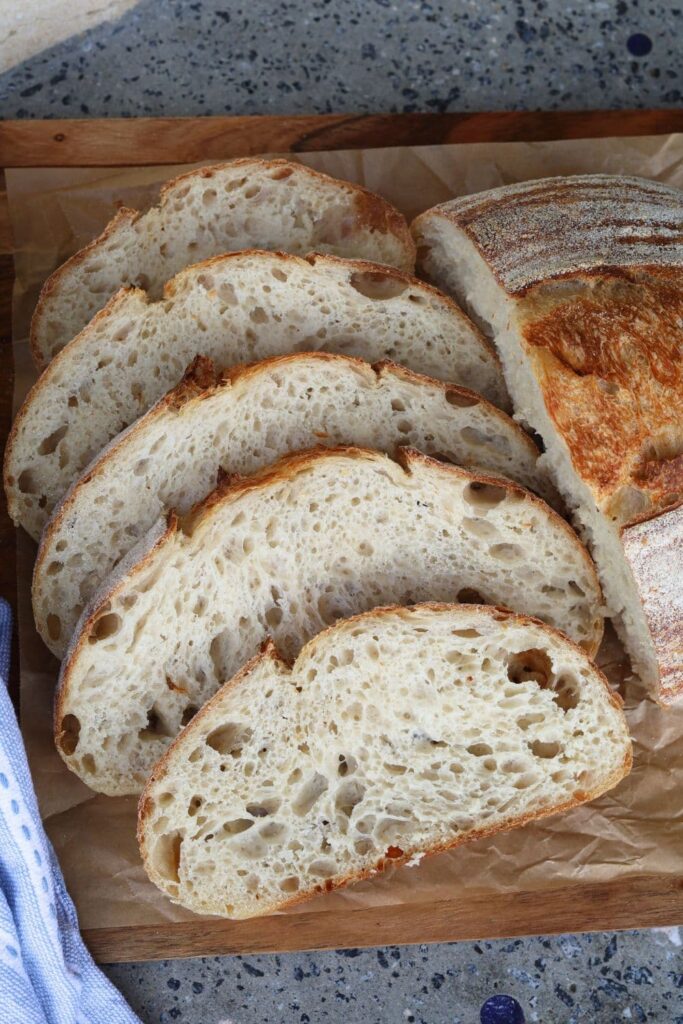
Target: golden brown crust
395, 856
596, 273
123, 217
378, 215
608, 356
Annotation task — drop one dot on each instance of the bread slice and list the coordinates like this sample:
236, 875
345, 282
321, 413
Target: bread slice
580, 282
244, 204
238, 422
316, 537
395, 734
233, 309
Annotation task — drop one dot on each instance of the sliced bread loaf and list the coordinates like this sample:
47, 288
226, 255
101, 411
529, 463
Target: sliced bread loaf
234, 309
238, 422
245, 204
316, 537
580, 282
395, 734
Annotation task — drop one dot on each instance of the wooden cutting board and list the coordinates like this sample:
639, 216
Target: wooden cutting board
648, 900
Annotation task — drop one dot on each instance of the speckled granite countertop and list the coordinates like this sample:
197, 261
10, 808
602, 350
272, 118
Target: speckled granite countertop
216, 57
633, 976
572, 979
289, 56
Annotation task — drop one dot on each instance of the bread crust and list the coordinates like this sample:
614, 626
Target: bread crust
372, 212
613, 390
269, 652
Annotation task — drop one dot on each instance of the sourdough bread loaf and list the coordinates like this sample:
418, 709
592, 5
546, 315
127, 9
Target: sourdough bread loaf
395, 734
245, 204
237, 422
233, 309
314, 538
580, 283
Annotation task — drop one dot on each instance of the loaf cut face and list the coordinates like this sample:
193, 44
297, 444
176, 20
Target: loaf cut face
233, 309
244, 204
317, 537
236, 423
395, 734
586, 308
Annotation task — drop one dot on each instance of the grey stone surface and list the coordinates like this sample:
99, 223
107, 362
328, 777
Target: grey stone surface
602, 979
220, 56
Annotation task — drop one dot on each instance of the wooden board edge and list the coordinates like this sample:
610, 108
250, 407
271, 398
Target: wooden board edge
6, 237
113, 142
636, 902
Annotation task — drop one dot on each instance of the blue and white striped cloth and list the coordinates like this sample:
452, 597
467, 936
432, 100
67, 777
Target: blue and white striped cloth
47, 975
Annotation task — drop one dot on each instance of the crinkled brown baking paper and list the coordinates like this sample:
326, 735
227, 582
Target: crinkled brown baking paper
636, 828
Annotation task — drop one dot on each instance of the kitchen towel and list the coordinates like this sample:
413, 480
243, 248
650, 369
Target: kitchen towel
47, 976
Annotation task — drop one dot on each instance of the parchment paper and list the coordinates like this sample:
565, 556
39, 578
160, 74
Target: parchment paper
637, 828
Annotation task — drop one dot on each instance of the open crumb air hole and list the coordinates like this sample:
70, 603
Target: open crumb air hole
229, 738
309, 794
156, 726
166, 856
49, 444
54, 626
484, 496
69, 734
375, 285
534, 665
460, 399
106, 626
